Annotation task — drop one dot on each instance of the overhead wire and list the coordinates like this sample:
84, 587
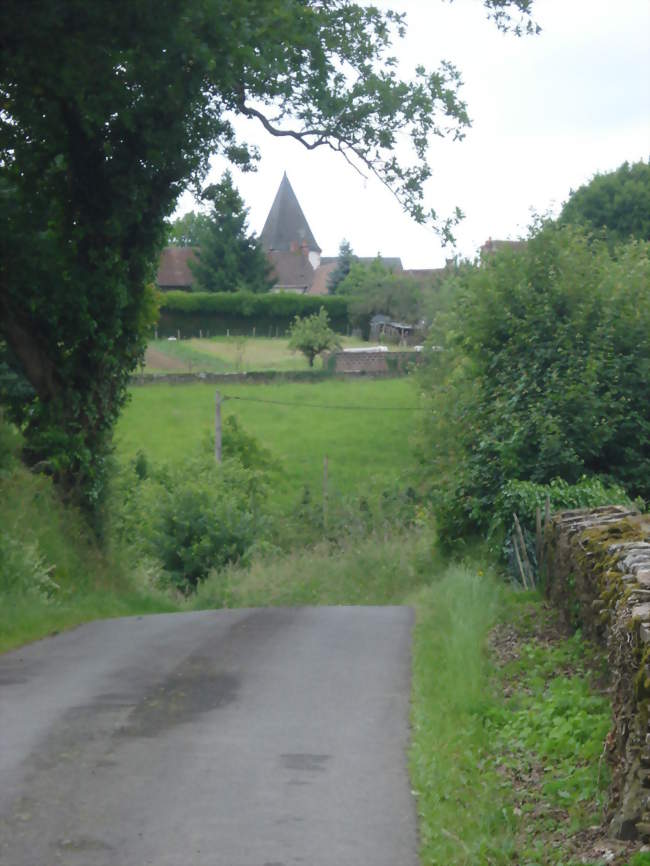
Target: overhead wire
326, 405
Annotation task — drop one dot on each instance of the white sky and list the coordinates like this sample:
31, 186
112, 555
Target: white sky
548, 112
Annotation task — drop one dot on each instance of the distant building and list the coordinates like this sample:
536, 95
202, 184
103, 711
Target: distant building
291, 248
293, 251
289, 242
494, 246
174, 270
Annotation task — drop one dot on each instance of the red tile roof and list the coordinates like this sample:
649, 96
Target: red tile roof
173, 269
493, 246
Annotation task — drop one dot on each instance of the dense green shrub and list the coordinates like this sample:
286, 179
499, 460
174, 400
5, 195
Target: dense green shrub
240, 312
242, 446
190, 518
544, 375
616, 203
523, 498
203, 523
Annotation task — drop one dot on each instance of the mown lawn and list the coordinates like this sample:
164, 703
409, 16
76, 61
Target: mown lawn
362, 426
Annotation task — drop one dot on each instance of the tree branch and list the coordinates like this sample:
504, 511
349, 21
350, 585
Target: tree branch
322, 139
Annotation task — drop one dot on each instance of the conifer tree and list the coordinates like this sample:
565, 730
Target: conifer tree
342, 269
229, 258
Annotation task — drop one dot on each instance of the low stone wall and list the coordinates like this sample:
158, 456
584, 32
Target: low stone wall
598, 574
260, 377
370, 362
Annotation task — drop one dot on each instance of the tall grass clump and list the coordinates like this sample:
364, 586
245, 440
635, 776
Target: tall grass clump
382, 568
461, 811
53, 572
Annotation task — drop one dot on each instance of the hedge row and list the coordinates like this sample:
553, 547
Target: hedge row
241, 312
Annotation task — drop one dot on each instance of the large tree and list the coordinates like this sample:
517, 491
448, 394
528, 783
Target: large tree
109, 109
188, 230
617, 202
374, 288
229, 259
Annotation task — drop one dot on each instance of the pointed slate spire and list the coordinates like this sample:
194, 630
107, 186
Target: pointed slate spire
286, 227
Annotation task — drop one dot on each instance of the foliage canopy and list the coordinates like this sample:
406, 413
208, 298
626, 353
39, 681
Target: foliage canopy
109, 111
343, 263
187, 231
544, 374
374, 288
313, 335
618, 202
229, 259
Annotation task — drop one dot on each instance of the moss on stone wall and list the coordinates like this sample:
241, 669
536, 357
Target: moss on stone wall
598, 575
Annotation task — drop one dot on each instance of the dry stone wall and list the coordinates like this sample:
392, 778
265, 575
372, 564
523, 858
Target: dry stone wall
598, 574
371, 362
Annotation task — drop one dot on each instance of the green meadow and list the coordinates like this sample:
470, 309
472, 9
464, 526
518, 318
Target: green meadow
362, 426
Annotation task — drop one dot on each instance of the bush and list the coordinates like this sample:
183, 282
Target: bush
202, 525
523, 498
192, 518
237, 444
23, 570
544, 375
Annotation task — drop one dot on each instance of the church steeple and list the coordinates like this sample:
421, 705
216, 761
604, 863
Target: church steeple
286, 228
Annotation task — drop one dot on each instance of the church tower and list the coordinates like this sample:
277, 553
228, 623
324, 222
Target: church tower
286, 229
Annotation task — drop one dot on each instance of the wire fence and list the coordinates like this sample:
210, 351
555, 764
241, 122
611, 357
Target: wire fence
325, 405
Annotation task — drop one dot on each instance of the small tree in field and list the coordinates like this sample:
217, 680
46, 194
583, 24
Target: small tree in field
313, 335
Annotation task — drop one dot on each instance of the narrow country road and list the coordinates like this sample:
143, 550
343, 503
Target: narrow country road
222, 738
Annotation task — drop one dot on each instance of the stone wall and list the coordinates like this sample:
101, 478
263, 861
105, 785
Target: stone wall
260, 377
370, 362
598, 574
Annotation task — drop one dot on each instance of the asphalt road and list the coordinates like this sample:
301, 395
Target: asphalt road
221, 738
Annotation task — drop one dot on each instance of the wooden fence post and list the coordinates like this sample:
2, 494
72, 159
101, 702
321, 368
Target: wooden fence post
325, 492
217, 427
522, 571
524, 553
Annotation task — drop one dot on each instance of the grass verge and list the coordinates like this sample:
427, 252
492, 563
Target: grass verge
53, 575
380, 569
463, 818
509, 721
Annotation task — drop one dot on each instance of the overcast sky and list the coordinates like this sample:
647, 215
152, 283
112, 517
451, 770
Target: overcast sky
548, 112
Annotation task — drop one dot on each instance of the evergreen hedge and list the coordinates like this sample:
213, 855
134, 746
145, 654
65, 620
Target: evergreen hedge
240, 312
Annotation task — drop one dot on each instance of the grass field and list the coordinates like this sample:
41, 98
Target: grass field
229, 355
367, 446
